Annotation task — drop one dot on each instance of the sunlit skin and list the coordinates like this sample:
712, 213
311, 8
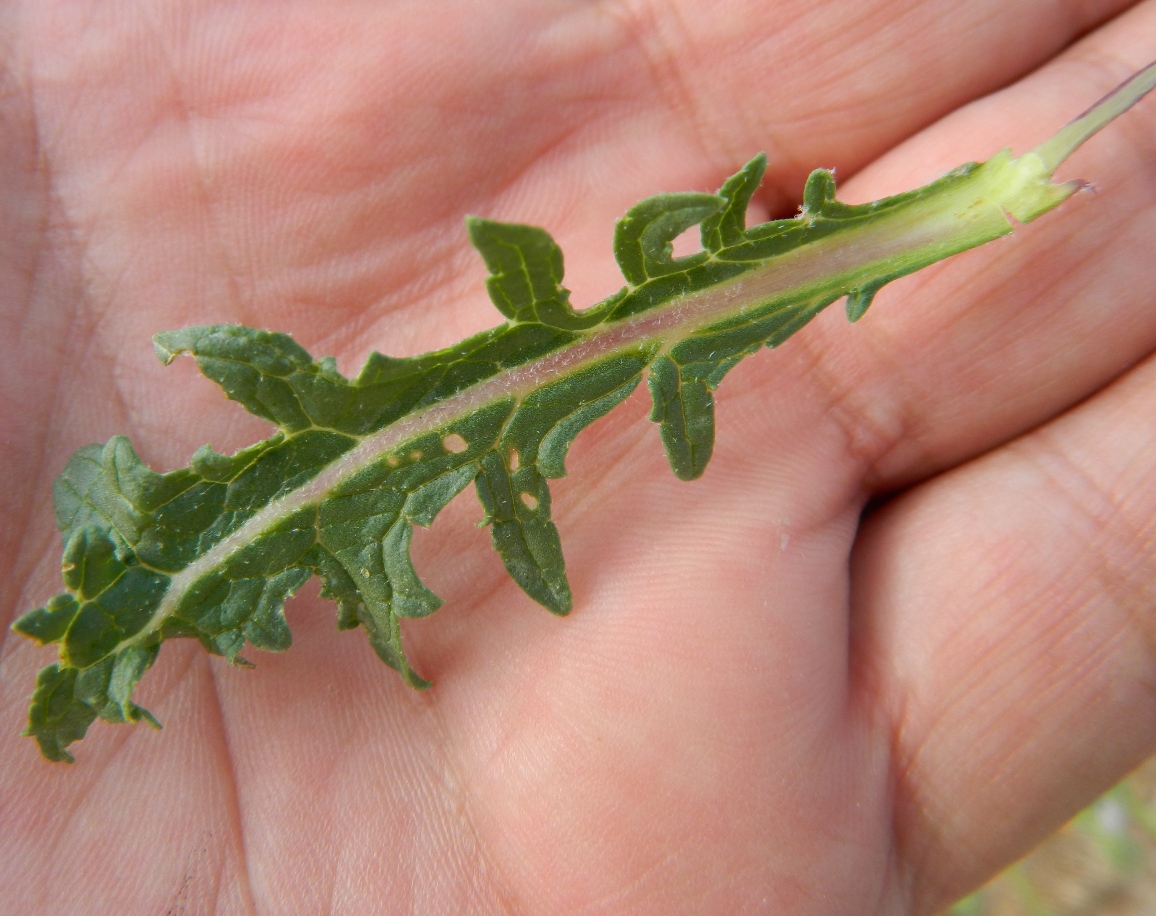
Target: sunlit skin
904, 625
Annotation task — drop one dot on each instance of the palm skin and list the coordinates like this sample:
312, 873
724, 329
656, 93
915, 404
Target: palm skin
766, 699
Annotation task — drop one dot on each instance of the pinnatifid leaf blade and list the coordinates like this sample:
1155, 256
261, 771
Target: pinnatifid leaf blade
213, 551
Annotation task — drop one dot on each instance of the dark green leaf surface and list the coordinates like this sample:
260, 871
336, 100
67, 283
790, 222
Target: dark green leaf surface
213, 551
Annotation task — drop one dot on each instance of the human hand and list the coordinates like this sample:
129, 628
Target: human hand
763, 698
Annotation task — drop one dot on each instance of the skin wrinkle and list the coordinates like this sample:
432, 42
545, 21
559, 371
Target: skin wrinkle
14, 95
459, 786
636, 886
896, 890
183, 112
867, 707
914, 813
448, 231
410, 299
915, 808
185, 115
1104, 68
1074, 28
567, 126
236, 819
102, 306
413, 303
1085, 497
63, 828
507, 199
43, 467
26, 550
490, 884
663, 61
842, 103
955, 869
871, 439
869, 695
868, 437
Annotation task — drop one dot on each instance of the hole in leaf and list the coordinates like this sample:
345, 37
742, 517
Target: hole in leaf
688, 243
530, 501
455, 443
513, 459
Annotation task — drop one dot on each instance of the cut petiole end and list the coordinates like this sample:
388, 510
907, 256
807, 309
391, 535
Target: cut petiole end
1110, 107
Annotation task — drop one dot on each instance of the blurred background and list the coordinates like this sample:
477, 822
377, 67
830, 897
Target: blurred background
1103, 863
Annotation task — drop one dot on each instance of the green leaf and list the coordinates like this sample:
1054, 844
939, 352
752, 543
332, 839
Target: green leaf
213, 551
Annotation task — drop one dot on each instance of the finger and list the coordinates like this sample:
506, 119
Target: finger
1005, 615
839, 83
971, 352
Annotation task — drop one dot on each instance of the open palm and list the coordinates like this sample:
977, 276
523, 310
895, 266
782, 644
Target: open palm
766, 698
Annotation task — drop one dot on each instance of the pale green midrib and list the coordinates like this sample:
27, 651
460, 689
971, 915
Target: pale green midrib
948, 221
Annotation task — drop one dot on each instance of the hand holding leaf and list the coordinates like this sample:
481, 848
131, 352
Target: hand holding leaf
757, 696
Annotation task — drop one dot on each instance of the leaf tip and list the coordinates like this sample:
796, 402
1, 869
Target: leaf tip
164, 352
858, 301
559, 600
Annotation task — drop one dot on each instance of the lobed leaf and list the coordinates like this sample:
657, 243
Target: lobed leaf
213, 551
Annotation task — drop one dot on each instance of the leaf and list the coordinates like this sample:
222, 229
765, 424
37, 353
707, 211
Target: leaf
213, 551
